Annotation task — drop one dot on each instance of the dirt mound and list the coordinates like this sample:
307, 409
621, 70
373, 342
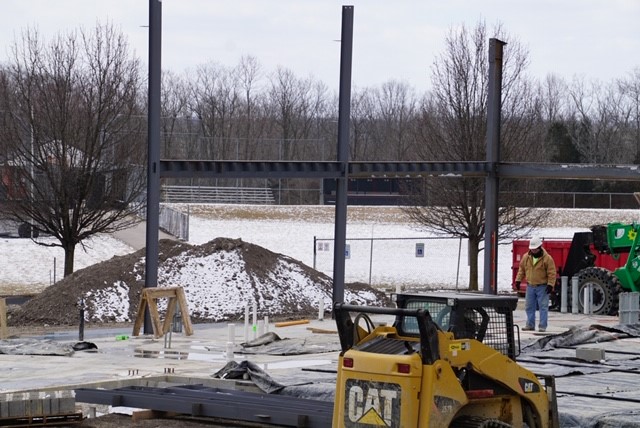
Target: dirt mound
220, 278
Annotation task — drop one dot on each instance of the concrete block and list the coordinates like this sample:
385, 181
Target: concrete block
35, 407
629, 308
46, 406
36, 404
17, 408
67, 405
55, 405
590, 354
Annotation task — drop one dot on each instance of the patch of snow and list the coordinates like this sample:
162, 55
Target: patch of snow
108, 304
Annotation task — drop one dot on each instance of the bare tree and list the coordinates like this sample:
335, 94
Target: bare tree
71, 141
453, 128
597, 122
552, 93
216, 102
174, 111
5, 116
630, 89
362, 143
297, 107
249, 73
553, 113
396, 111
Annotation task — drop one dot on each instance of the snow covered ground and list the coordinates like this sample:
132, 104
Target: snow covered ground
27, 267
394, 260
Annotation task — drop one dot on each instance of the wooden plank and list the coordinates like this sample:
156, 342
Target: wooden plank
139, 316
155, 316
288, 323
184, 309
159, 293
4, 329
143, 415
321, 330
171, 311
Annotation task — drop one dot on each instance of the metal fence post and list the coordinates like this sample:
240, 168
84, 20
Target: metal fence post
315, 248
370, 260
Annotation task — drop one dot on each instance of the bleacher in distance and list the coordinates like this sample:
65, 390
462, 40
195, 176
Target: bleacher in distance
217, 195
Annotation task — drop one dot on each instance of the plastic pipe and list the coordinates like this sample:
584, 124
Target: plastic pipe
229, 353
564, 289
255, 319
575, 307
246, 322
232, 332
587, 300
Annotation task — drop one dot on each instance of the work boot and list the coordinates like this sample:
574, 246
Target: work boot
527, 328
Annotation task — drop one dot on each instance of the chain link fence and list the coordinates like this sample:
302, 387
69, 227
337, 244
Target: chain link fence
376, 261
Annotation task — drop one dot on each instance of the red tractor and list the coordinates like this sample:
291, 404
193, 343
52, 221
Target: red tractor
606, 259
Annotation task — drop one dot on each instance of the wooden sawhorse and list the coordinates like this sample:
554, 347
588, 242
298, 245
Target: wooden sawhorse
149, 299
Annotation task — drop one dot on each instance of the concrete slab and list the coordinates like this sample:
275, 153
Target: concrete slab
196, 356
136, 236
146, 361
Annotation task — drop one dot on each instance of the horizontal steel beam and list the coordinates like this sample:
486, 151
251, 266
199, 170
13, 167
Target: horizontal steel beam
198, 400
416, 169
249, 169
313, 169
569, 171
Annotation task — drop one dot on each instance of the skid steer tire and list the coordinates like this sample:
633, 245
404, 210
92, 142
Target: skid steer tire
605, 290
477, 422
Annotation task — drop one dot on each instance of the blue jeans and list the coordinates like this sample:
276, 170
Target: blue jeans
537, 297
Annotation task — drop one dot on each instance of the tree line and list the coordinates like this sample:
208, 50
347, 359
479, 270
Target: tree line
73, 119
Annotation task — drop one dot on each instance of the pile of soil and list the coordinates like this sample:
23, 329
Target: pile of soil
59, 304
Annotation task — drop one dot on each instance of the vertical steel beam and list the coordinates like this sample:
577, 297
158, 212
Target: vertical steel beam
494, 103
344, 113
153, 164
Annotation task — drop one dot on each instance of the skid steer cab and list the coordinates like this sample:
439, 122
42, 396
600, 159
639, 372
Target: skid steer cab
447, 360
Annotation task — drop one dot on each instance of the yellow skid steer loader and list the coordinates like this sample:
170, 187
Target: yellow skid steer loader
448, 360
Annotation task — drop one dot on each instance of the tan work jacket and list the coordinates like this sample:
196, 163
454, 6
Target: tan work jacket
543, 272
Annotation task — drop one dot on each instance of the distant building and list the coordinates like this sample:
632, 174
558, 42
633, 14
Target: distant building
369, 191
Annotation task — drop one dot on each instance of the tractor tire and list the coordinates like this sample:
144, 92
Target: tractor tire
605, 288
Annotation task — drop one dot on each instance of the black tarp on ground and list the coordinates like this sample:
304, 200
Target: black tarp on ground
313, 385
590, 394
600, 394
271, 344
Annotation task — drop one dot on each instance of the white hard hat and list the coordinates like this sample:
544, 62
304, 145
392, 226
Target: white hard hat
535, 242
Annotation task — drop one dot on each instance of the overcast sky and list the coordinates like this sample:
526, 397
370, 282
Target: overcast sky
399, 39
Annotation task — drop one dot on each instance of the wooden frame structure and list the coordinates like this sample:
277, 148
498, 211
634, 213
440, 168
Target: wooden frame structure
149, 299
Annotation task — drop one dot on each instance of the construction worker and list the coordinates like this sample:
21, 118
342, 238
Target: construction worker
540, 270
